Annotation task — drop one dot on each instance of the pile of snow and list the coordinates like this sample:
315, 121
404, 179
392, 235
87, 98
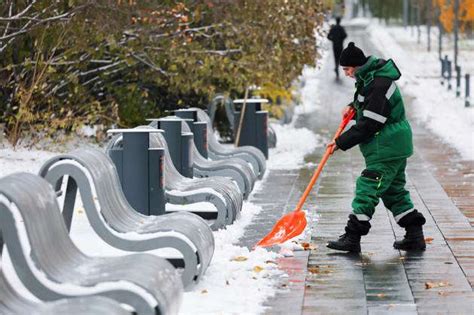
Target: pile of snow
238, 280
293, 144
433, 105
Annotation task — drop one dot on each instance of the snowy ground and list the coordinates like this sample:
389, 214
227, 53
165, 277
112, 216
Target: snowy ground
238, 281
435, 106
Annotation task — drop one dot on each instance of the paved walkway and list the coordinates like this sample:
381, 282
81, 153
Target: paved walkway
381, 279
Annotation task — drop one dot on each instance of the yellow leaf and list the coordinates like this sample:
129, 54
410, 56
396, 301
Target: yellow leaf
239, 258
257, 269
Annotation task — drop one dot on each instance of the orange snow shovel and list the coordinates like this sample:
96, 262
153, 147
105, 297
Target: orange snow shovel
294, 223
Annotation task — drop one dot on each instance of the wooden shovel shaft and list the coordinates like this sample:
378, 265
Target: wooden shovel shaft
326, 156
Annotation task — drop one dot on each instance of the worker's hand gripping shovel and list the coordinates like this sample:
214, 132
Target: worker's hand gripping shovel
294, 223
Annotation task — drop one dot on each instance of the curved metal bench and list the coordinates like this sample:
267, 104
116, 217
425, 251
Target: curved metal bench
180, 190
119, 225
183, 190
11, 302
219, 152
51, 267
236, 169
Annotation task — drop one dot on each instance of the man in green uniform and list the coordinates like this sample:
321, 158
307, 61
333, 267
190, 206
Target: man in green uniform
385, 140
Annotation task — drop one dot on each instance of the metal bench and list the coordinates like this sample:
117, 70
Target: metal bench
11, 302
234, 168
217, 151
219, 191
118, 224
51, 267
183, 190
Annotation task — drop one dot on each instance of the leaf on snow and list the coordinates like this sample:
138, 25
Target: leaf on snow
239, 258
257, 269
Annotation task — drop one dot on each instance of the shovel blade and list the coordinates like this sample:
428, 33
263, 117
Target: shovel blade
289, 226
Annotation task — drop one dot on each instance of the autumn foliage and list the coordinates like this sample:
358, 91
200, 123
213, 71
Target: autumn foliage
116, 62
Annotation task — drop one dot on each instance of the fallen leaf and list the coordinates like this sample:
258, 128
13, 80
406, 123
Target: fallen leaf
431, 285
257, 269
204, 291
308, 246
313, 269
428, 240
442, 293
381, 295
239, 258
271, 262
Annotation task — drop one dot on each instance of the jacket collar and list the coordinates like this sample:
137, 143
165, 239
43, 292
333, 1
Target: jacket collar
364, 74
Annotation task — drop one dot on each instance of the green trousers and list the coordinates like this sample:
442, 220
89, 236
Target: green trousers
385, 180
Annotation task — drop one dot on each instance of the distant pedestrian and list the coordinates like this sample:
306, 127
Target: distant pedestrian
384, 137
337, 34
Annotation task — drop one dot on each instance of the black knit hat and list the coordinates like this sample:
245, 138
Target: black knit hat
352, 56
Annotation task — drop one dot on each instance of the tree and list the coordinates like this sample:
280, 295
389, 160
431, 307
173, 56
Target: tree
74, 62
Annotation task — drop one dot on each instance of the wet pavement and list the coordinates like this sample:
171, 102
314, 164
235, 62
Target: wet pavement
381, 279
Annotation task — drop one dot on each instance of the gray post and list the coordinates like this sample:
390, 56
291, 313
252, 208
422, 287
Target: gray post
135, 170
458, 81
198, 128
254, 125
468, 92
449, 68
187, 140
456, 31
179, 144
444, 69
140, 170
200, 137
156, 181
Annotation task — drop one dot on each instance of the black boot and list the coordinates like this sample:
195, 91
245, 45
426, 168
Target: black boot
414, 238
350, 241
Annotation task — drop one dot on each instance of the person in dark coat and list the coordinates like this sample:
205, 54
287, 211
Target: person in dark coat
337, 34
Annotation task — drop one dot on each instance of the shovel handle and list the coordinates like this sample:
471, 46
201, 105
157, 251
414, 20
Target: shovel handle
326, 156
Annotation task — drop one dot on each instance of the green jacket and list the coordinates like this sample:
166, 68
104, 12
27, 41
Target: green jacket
381, 130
